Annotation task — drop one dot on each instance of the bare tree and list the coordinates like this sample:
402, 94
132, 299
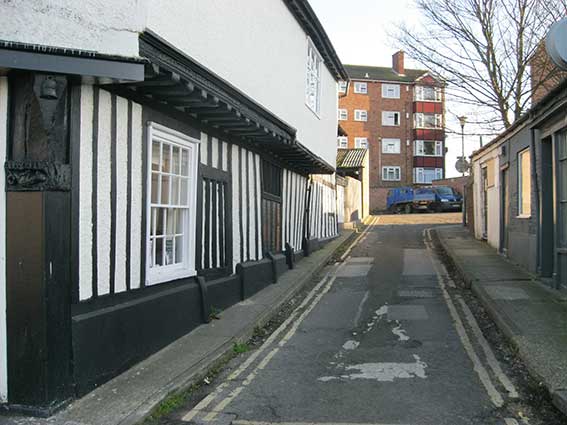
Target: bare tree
482, 48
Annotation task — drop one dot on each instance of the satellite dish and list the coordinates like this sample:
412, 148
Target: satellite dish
556, 43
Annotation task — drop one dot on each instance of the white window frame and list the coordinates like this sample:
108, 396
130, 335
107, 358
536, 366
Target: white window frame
419, 148
186, 268
395, 169
342, 142
343, 114
521, 179
419, 174
419, 94
360, 87
390, 91
419, 120
391, 146
313, 78
342, 86
389, 118
361, 115
361, 142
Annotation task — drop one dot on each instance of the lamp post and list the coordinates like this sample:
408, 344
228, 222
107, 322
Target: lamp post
463, 120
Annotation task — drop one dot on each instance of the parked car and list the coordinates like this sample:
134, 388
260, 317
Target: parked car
400, 200
436, 198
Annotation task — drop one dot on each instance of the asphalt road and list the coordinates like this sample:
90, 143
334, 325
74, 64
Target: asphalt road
381, 339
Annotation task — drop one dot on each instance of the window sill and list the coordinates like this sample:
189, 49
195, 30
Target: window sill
524, 216
157, 276
390, 153
390, 125
428, 128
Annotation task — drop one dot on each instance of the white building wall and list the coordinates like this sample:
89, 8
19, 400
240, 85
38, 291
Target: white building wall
3, 336
103, 26
261, 49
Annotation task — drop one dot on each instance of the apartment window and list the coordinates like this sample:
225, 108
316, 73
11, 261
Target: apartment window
360, 115
428, 94
428, 148
342, 142
524, 184
422, 120
342, 86
360, 88
390, 145
313, 86
361, 142
171, 206
391, 91
343, 115
391, 173
427, 175
390, 118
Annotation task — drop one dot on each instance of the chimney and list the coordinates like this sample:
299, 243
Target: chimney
398, 62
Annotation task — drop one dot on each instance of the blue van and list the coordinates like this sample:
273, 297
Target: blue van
436, 198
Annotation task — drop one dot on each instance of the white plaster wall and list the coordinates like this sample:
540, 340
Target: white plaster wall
3, 336
104, 26
259, 47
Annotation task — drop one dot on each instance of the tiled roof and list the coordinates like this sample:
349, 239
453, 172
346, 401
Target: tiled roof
363, 72
351, 158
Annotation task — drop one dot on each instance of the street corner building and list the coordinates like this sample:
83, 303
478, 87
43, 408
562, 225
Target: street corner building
398, 114
161, 160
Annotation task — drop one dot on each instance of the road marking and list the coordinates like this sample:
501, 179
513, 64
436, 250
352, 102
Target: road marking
490, 357
360, 307
203, 404
481, 371
227, 400
373, 222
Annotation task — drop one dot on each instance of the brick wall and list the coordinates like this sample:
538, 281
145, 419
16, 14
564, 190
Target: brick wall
374, 131
457, 183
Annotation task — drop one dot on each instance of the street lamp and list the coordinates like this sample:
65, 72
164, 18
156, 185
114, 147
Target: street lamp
463, 120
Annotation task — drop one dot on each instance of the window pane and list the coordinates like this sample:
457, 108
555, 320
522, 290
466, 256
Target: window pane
185, 162
176, 160
165, 189
170, 221
525, 180
155, 155
166, 158
159, 252
183, 188
428, 148
168, 251
180, 216
158, 221
174, 191
153, 222
155, 188
179, 249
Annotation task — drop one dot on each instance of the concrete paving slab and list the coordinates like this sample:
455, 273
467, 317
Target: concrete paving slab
534, 318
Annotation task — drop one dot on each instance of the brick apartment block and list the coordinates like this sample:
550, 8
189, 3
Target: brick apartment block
399, 114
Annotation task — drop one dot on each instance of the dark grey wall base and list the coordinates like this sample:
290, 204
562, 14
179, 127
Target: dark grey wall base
224, 292
310, 246
109, 340
36, 411
254, 276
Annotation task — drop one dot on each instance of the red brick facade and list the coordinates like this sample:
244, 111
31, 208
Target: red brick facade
373, 129
545, 75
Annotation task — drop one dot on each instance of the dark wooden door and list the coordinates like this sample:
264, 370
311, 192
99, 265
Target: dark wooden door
271, 207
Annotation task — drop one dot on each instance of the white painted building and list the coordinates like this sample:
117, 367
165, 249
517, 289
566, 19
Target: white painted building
174, 157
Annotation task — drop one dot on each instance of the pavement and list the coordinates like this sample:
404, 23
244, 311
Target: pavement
381, 339
532, 316
130, 397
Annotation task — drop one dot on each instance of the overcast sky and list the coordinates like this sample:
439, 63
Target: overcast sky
359, 30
